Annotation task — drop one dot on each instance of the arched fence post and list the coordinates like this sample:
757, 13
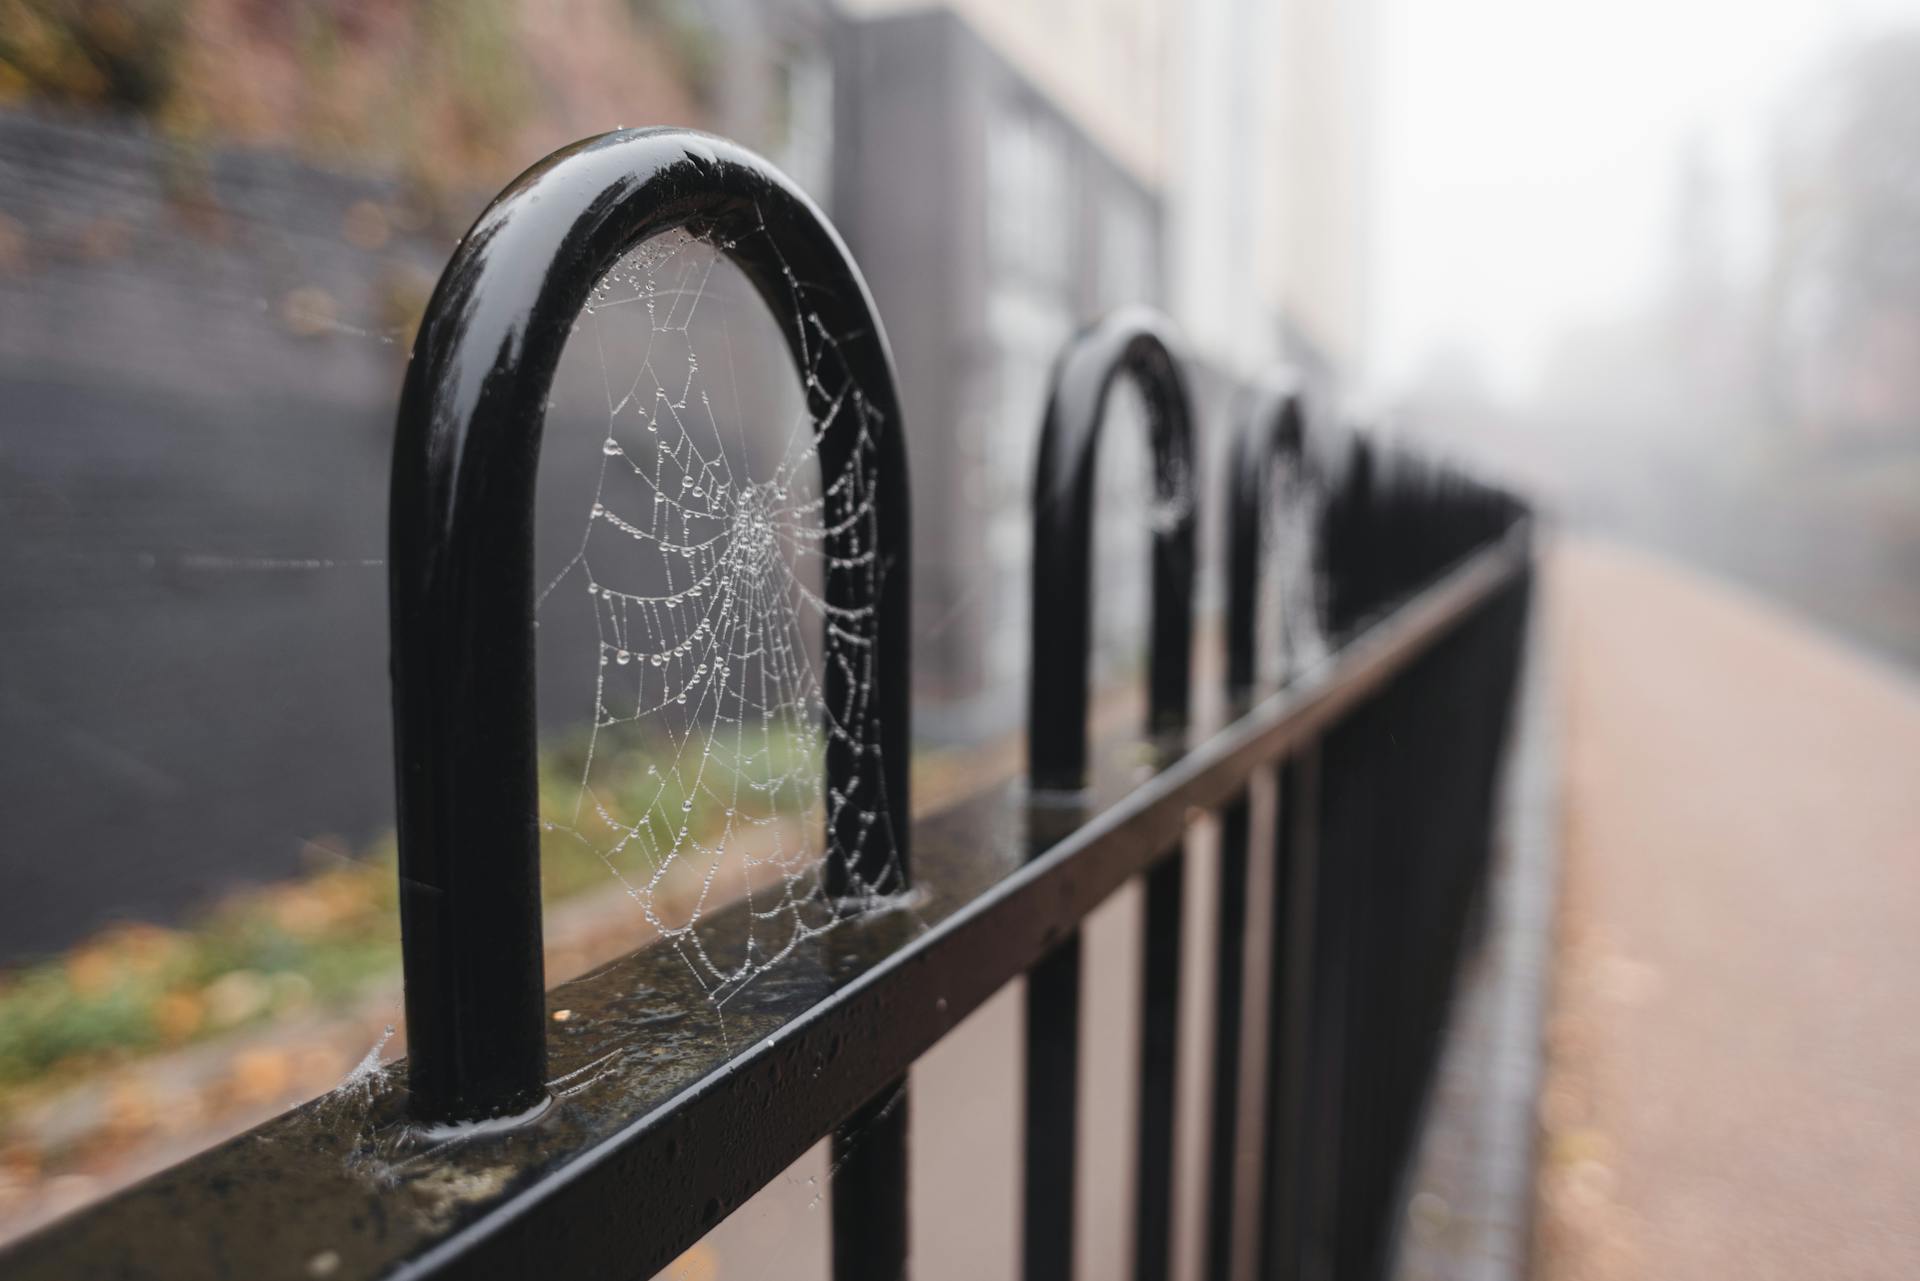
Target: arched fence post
1270, 433
1135, 343
461, 582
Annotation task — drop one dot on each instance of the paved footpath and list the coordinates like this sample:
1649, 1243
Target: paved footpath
1734, 1083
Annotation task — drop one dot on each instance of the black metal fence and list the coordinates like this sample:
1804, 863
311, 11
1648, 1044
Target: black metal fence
1382, 754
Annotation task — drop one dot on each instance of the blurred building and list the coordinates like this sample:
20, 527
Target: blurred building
990, 225
773, 84
1006, 172
1267, 171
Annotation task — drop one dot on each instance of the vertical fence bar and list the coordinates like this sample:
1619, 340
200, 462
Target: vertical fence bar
1269, 434
1284, 1186
1230, 945
1134, 342
868, 1158
462, 605
1159, 1055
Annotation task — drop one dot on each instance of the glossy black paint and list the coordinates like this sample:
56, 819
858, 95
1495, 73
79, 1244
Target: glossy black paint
1132, 343
461, 565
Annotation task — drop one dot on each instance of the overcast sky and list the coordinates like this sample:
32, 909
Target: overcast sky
1529, 152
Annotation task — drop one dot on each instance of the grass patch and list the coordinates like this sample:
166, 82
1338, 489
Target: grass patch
320, 940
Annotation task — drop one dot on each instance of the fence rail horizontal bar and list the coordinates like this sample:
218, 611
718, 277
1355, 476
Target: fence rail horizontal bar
672, 1113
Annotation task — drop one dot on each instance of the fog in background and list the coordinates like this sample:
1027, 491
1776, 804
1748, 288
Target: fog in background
1661, 263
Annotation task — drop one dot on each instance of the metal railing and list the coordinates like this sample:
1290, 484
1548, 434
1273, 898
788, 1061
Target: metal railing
1134, 343
1377, 762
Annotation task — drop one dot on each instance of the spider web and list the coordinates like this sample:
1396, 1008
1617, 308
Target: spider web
706, 547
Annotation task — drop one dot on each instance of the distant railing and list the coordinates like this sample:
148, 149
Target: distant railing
1364, 776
